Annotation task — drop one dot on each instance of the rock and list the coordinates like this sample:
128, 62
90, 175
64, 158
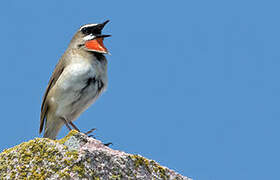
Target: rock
77, 156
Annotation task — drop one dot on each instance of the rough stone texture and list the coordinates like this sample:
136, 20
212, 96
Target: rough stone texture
77, 156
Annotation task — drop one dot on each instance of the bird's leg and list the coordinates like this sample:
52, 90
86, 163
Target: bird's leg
66, 124
74, 126
90, 131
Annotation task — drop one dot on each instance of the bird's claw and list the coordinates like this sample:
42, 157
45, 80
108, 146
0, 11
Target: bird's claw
93, 129
92, 136
108, 144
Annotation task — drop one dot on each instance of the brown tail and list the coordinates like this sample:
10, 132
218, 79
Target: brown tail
52, 126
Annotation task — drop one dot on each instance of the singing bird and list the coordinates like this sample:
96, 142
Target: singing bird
77, 80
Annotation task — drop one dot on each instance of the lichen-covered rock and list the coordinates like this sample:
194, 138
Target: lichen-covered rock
77, 156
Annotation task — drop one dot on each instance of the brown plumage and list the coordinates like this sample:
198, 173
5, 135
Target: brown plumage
77, 81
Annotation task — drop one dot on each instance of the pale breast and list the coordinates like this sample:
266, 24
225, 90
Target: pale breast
75, 74
79, 85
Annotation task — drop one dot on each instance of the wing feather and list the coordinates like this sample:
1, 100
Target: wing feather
44, 108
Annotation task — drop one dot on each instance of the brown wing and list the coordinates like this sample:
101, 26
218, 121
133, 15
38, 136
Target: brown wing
44, 108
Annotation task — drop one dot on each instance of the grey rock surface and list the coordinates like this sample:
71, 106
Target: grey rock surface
77, 156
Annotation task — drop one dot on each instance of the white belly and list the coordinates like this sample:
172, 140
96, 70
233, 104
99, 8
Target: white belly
76, 94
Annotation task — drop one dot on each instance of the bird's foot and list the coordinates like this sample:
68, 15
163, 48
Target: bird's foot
108, 144
90, 131
90, 135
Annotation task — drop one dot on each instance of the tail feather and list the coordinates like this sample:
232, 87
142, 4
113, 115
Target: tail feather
52, 127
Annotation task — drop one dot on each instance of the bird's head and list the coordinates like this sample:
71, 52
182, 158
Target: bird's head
90, 38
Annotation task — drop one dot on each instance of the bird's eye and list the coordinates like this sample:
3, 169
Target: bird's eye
86, 30
91, 30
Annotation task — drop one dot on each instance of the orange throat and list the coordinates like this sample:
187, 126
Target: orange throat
96, 45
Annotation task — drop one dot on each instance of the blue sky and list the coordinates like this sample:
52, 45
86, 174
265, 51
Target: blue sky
193, 85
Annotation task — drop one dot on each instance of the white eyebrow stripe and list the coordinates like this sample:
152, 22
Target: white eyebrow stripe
87, 25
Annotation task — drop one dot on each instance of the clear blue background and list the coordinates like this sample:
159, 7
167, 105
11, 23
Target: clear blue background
193, 85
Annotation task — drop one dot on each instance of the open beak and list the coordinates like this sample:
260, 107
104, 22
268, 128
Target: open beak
101, 26
96, 44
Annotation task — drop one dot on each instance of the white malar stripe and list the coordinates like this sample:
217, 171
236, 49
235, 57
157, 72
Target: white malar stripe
89, 37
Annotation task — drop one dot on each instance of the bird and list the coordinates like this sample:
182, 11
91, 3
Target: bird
78, 79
